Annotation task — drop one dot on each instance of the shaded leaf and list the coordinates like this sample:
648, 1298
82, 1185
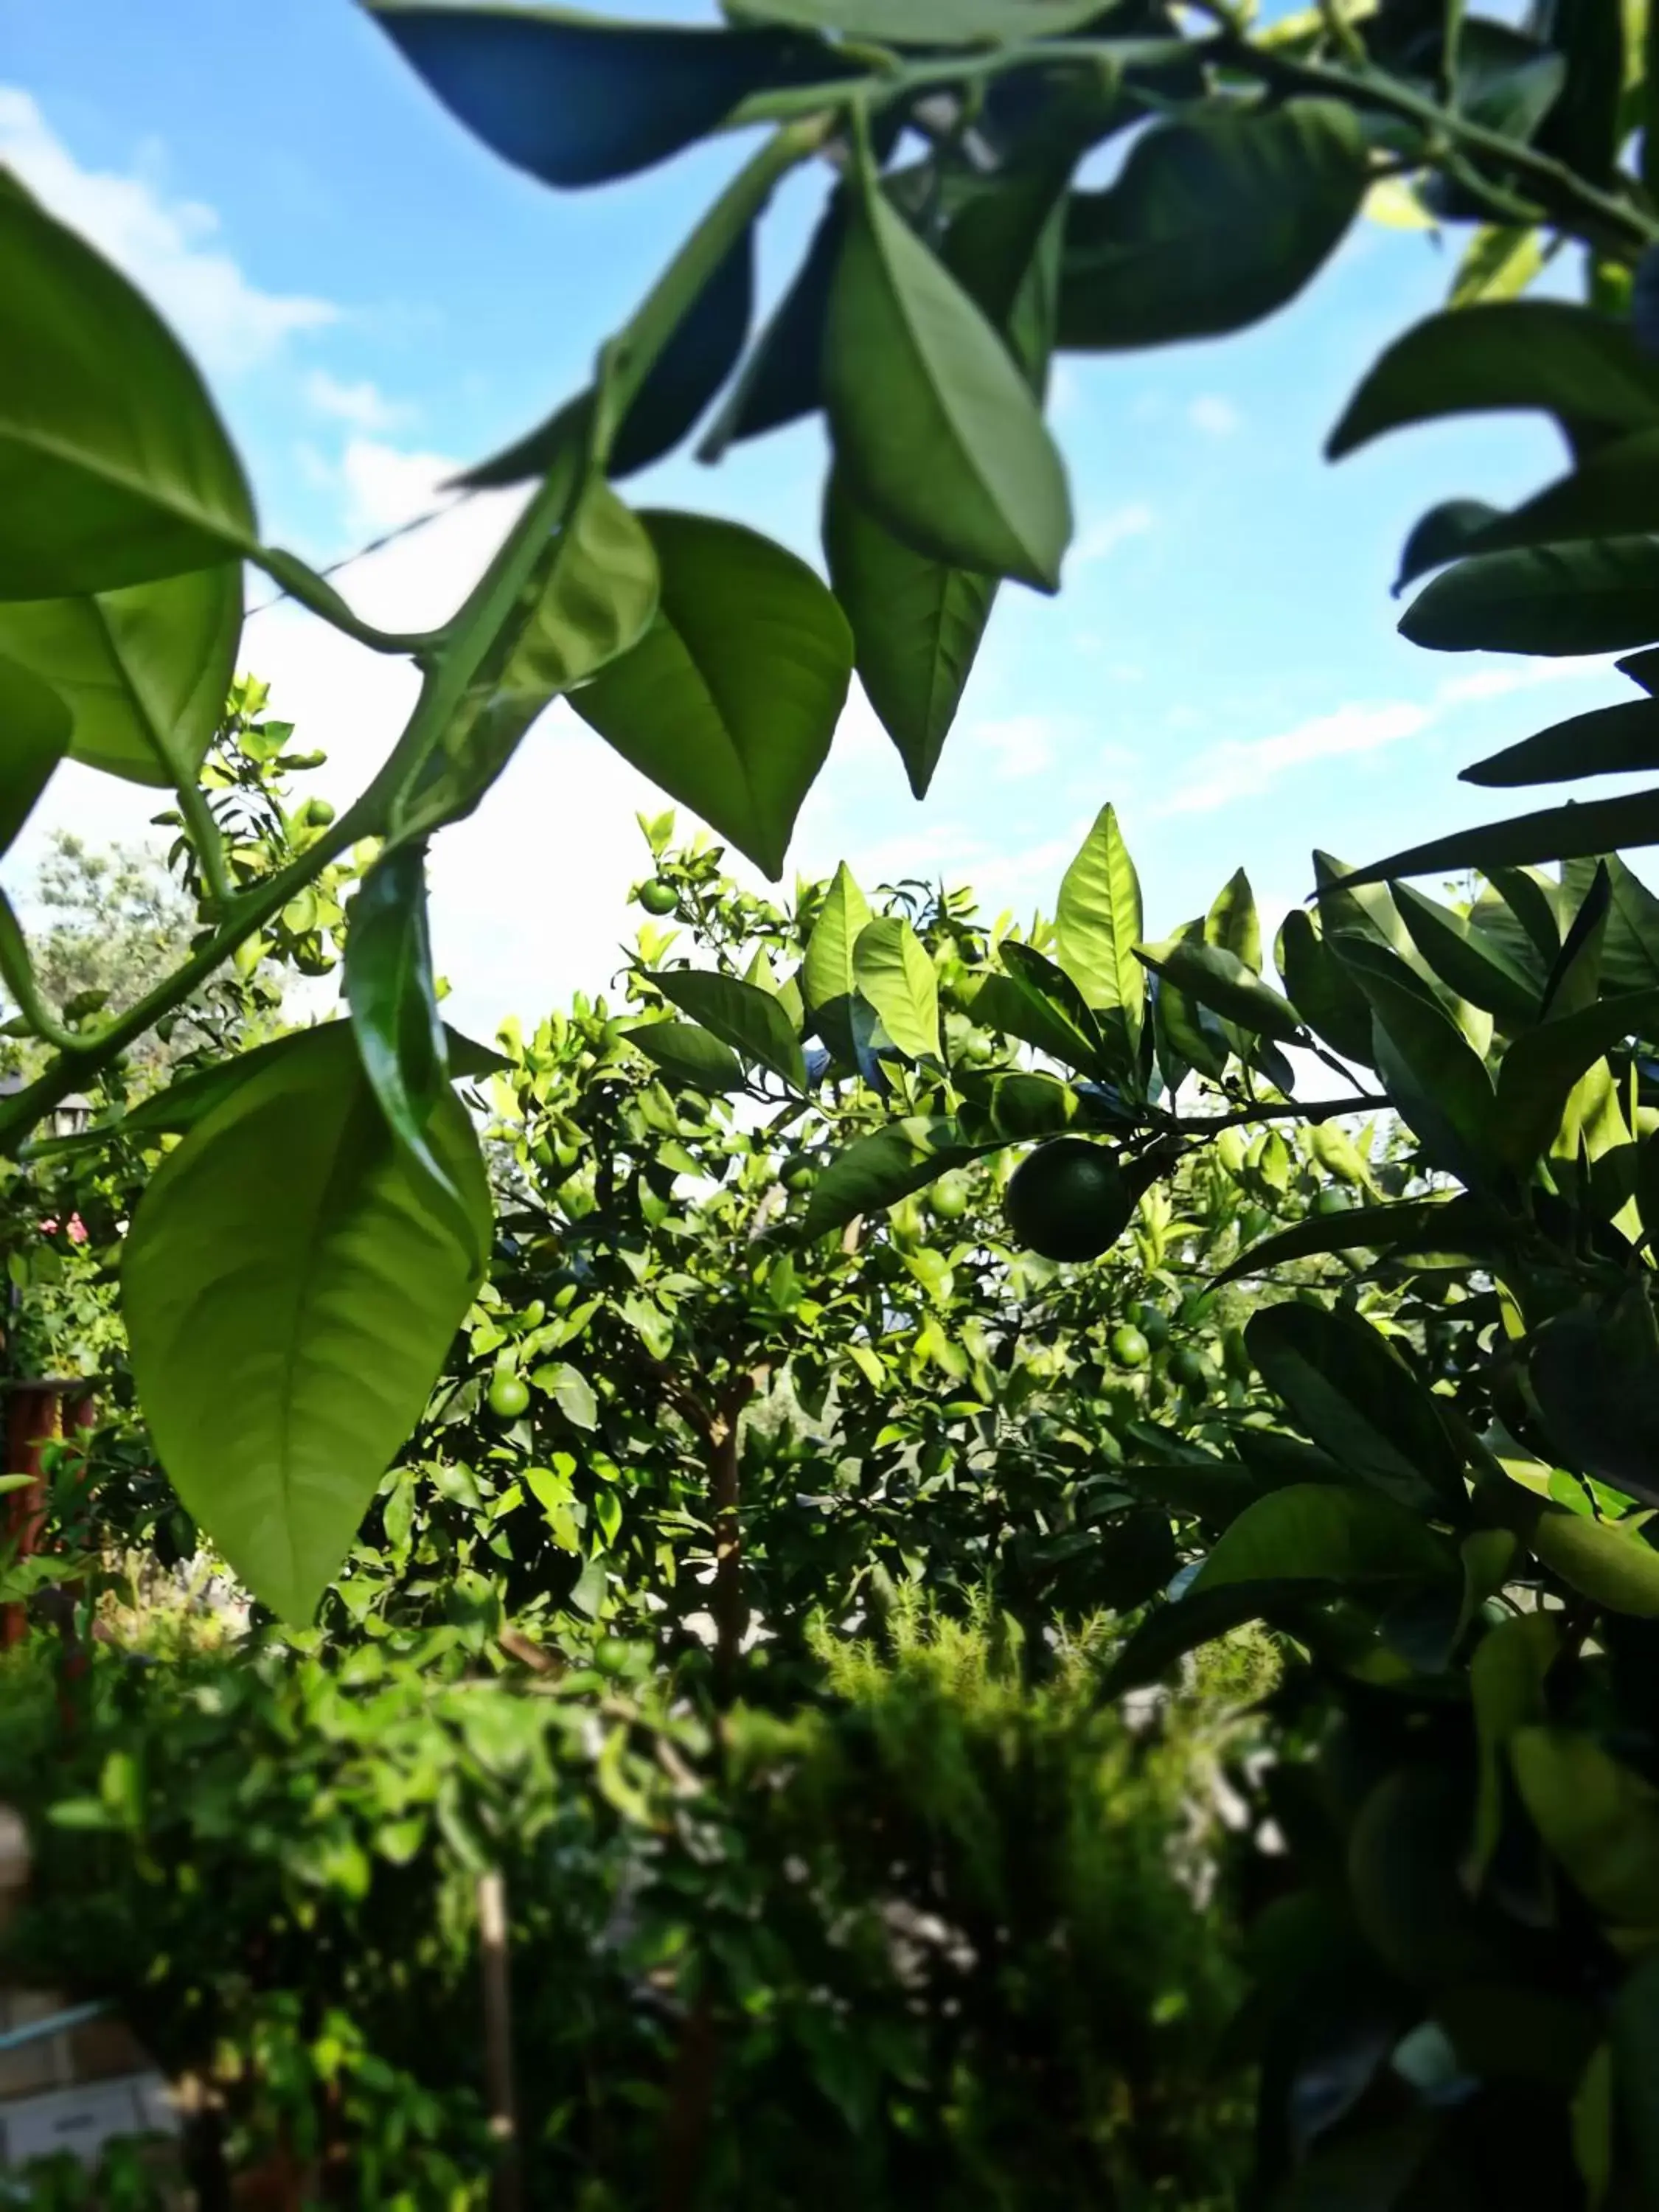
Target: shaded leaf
1444, 533
1554, 833
1216, 979
34, 735
1591, 597
1316, 1532
1609, 741
394, 1002
782, 378
874, 1172
1322, 990
749, 1019
1595, 1376
730, 699
686, 1053
1599, 1821
1471, 965
1419, 1226
1539, 1069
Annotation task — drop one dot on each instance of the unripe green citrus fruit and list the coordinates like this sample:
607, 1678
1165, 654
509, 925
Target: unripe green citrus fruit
949, 1199
509, 1394
1069, 1201
1129, 1347
656, 897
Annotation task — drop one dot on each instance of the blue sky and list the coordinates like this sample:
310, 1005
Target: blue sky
375, 299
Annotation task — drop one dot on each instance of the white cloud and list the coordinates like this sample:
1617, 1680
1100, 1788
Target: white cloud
385, 486
1235, 769
362, 404
1216, 416
167, 245
1101, 537
1518, 676
1019, 746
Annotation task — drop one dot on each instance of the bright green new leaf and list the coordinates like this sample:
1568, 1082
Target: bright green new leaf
1218, 979
1098, 922
896, 975
935, 429
828, 977
394, 1002
114, 468
1539, 1069
34, 735
291, 1285
1317, 1532
1583, 368
1233, 923
1215, 222
730, 698
1598, 1818
687, 1053
1596, 595
144, 671
1614, 1567
876, 1171
750, 1020
1358, 1400
1498, 262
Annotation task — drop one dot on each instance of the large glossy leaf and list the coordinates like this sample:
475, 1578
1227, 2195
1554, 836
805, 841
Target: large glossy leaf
1218, 979
1058, 1007
687, 1053
1630, 950
577, 100
1317, 1532
1595, 596
1322, 990
924, 23
394, 1002
876, 1171
829, 980
1233, 923
1445, 533
1608, 741
1614, 1567
682, 380
114, 468
594, 592
895, 973
1098, 922
1410, 1226
1554, 833
291, 1285
1613, 492
1583, 367
935, 429
1214, 223
34, 735
1599, 1820
1469, 963
1356, 1399
730, 700
1538, 1073
144, 671
748, 1018
1428, 1067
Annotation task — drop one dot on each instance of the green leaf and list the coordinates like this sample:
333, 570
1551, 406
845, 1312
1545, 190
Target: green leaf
935, 429
1612, 493
1583, 367
1506, 1689
1168, 1634
394, 1002
1615, 1568
1554, 833
1609, 741
1316, 1532
1594, 1375
34, 735
1598, 1819
749, 1019
876, 1171
828, 975
925, 22
1233, 924
1468, 962
897, 977
594, 592
1419, 1226
578, 100
782, 378
730, 698
1500, 261
1445, 533
1630, 952
1214, 223
1636, 2050
1520, 908
1356, 1399
114, 468
291, 1286
1322, 990
1218, 979
1582, 129
1539, 1069
1001, 1004
687, 1053
144, 671
1596, 596
1098, 922
1056, 1007
1428, 1067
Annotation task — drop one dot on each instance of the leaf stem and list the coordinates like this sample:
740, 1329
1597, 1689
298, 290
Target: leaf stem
17, 971
302, 584
202, 830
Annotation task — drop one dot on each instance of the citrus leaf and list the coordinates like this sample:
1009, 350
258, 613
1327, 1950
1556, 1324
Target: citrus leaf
1356, 1399
687, 1053
876, 1171
1317, 1532
394, 1002
730, 698
291, 1286
935, 430
34, 735
924, 23
1197, 1617
1428, 1067
1408, 1226
749, 1019
1583, 368
1214, 223
1576, 830
1468, 962
1054, 1001
828, 979
1538, 1072
1608, 741
1322, 990
895, 973
1218, 979
114, 468
1098, 922
1445, 533
1599, 1821
576, 100
1614, 1567
1594, 596
145, 671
